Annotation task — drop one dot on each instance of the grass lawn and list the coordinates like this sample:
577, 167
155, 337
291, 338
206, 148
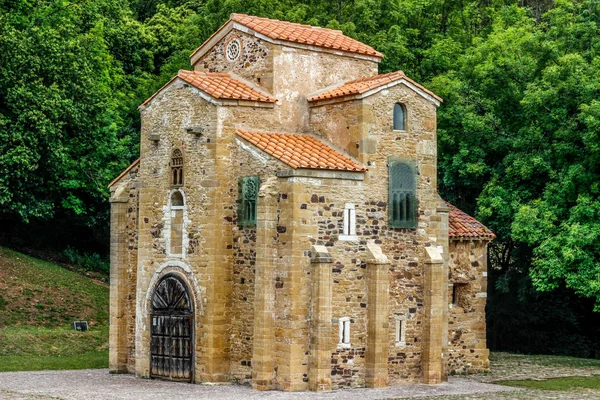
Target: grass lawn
564, 384
38, 302
95, 359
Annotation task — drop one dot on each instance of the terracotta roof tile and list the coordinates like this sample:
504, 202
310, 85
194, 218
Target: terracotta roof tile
220, 86
300, 151
463, 226
362, 85
304, 34
122, 174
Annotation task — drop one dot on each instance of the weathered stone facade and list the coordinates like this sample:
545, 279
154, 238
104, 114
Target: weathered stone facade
319, 292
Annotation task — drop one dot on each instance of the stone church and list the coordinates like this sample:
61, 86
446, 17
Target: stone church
282, 227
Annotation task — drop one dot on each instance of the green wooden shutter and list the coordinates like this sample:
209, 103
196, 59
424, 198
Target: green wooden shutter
247, 210
402, 193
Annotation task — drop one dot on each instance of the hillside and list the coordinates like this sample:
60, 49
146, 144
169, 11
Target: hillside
38, 302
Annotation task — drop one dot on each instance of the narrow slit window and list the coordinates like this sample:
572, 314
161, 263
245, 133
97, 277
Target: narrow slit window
457, 293
344, 332
177, 168
400, 330
402, 194
349, 227
399, 117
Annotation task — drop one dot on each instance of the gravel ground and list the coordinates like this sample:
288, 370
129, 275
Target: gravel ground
100, 385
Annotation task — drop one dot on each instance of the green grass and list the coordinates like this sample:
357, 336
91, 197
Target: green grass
38, 302
543, 360
91, 360
39, 293
561, 384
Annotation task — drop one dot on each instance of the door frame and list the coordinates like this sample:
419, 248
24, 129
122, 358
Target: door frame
192, 315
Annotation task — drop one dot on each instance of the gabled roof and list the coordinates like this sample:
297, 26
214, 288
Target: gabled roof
276, 31
364, 87
122, 174
463, 226
220, 85
300, 150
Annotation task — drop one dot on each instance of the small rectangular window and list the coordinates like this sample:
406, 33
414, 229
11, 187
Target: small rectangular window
344, 332
400, 330
349, 227
457, 293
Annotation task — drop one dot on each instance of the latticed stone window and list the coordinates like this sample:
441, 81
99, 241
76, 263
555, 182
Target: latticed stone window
399, 117
402, 194
177, 167
248, 195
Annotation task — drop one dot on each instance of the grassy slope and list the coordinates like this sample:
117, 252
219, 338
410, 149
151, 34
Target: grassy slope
38, 301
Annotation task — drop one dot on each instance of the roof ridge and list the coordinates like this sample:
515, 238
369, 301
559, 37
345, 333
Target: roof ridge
300, 150
361, 86
222, 86
292, 32
463, 226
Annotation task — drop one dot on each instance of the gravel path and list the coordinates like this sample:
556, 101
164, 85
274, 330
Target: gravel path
100, 385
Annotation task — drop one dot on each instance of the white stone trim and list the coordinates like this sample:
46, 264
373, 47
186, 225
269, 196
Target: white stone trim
419, 91
259, 155
182, 271
344, 333
166, 231
481, 295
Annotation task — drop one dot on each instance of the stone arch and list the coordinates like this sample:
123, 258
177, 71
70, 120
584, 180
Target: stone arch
182, 271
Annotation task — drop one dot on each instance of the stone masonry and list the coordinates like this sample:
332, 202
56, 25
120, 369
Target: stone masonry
264, 187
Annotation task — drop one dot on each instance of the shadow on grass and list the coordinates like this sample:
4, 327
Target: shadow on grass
564, 384
90, 360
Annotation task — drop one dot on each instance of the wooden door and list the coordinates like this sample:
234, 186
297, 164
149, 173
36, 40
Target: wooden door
172, 331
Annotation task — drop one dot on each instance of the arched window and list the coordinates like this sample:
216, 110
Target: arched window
402, 195
177, 168
399, 117
176, 221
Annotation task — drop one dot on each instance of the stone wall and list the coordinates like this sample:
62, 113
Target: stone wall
298, 73
125, 200
169, 114
255, 63
468, 352
254, 286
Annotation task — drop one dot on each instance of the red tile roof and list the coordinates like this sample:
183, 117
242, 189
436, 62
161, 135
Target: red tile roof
122, 174
300, 151
220, 85
463, 226
299, 33
363, 85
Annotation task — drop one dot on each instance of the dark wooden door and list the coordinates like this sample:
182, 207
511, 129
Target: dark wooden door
172, 331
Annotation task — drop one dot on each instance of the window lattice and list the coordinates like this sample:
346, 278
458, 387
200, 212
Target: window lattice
233, 50
402, 201
177, 167
249, 186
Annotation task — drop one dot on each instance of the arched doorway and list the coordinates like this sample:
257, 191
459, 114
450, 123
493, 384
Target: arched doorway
172, 331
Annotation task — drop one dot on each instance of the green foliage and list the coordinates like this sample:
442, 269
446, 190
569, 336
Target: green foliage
518, 132
87, 261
